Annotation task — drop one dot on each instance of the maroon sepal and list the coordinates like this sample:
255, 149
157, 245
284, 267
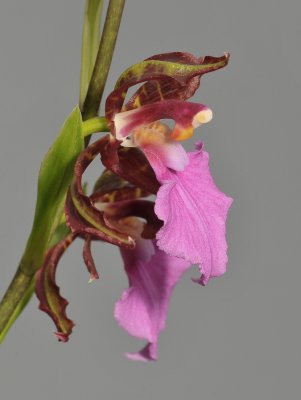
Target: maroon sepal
153, 91
135, 208
126, 193
129, 163
111, 188
162, 82
108, 181
82, 216
48, 292
88, 259
81, 227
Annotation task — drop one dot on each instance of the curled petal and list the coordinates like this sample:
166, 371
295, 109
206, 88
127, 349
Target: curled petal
194, 213
108, 181
134, 208
48, 292
187, 117
126, 193
142, 309
168, 88
111, 188
178, 70
81, 215
83, 228
130, 164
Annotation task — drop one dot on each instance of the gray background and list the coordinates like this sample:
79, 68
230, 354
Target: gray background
238, 338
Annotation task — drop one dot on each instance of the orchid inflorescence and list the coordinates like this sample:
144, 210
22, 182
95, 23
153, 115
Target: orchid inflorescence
143, 156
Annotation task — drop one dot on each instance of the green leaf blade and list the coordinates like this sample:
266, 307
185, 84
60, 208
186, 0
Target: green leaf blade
55, 176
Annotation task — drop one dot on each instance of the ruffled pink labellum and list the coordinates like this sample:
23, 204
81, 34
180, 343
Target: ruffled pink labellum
194, 212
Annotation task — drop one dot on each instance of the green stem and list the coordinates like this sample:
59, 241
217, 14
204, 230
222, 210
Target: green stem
103, 59
21, 287
94, 125
15, 293
90, 44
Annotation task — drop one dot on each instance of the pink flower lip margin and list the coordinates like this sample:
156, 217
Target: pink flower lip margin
194, 212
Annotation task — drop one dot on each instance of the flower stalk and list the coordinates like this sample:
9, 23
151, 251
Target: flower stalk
94, 125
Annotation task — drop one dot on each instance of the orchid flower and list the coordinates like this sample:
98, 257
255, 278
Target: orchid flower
158, 240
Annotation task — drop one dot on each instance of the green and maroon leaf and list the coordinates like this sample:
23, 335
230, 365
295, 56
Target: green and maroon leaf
48, 292
175, 70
